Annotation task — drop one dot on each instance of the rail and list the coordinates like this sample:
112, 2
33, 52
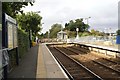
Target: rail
81, 65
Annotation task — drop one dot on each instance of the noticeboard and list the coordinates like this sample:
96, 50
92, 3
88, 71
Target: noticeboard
10, 35
9, 32
15, 40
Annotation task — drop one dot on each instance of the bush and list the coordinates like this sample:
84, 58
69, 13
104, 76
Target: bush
23, 46
23, 42
71, 34
85, 34
118, 32
80, 33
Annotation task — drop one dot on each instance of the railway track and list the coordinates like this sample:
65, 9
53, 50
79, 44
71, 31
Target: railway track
107, 62
69, 52
73, 68
81, 49
103, 70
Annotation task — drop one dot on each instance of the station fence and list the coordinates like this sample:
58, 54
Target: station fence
97, 40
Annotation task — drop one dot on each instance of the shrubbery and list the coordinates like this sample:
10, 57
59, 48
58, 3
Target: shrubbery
23, 42
23, 46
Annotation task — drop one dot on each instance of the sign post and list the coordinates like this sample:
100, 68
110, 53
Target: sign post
9, 42
1, 68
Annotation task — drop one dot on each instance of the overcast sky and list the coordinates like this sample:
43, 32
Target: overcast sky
103, 13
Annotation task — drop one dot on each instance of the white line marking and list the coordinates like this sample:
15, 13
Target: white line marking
57, 62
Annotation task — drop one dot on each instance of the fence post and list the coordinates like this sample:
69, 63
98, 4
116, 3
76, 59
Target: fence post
17, 56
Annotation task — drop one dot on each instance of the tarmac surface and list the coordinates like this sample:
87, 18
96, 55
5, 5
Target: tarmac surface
38, 63
28, 65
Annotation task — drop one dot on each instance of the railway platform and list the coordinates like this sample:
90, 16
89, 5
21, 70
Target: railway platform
38, 63
115, 52
47, 66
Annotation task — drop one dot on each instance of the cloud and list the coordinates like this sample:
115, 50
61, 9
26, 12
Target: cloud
103, 13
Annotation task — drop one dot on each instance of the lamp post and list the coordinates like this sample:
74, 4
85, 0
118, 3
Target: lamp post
30, 38
48, 35
77, 37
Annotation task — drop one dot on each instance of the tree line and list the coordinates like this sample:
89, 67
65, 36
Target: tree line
70, 28
26, 21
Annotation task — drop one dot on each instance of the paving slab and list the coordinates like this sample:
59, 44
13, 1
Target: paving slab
47, 66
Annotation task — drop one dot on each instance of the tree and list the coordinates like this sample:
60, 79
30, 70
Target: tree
78, 23
13, 8
93, 32
70, 26
97, 33
41, 36
46, 34
30, 21
118, 32
55, 28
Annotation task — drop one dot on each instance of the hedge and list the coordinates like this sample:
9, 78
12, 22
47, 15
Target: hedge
23, 43
23, 46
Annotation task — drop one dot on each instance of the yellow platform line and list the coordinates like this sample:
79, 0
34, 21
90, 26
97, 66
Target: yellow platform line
41, 71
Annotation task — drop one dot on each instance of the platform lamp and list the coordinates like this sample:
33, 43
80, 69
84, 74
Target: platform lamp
77, 37
48, 35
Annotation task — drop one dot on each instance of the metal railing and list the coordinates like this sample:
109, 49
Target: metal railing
96, 40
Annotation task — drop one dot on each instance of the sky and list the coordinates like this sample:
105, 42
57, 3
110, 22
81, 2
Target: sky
103, 13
